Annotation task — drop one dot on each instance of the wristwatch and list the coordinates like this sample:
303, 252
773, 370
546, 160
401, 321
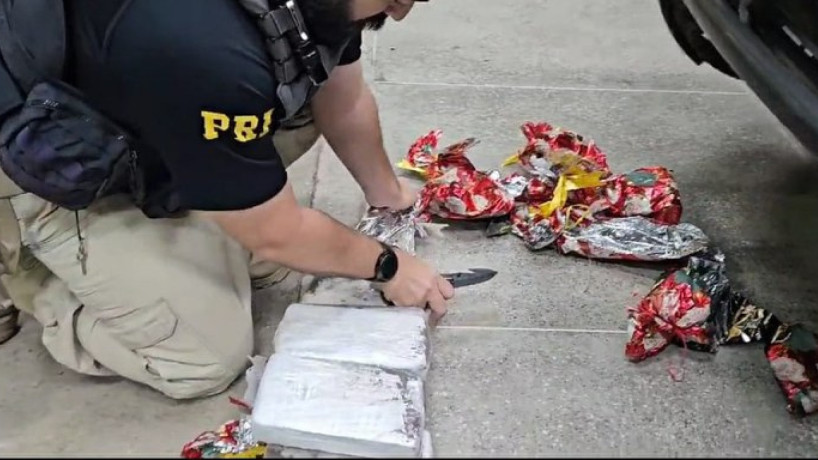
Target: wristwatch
386, 266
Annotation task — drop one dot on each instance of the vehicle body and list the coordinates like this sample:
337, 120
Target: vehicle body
772, 45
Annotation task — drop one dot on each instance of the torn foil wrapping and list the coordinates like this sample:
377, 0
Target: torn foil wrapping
679, 309
234, 439
339, 407
545, 144
792, 352
455, 189
395, 228
390, 338
648, 192
633, 238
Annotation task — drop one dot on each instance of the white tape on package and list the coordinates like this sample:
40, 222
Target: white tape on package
391, 338
343, 408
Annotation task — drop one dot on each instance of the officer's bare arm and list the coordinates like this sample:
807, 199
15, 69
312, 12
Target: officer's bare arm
300, 238
346, 113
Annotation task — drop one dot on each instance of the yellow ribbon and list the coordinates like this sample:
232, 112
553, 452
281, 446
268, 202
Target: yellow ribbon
513, 159
573, 179
406, 165
254, 452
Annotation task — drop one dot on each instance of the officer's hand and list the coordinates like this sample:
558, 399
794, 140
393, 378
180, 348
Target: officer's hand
416, 284
403, 197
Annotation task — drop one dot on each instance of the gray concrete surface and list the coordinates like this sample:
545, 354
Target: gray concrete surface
531, 364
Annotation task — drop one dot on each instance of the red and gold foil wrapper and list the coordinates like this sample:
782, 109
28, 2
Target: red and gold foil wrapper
546, 145
647, 192
455, 189
676, 310
233, 439
793, 355
565, 197
696, 307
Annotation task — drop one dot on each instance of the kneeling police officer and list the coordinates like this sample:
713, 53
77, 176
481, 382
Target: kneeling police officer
146, 271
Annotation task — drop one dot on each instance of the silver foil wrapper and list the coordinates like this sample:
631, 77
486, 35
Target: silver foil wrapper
244, 437
339, 407
395, 228
390, 338
536, 236
634, 238
514, 185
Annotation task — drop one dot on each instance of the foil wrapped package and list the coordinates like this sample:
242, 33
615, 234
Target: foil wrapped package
573, 231
633, 238
398, 229
390, 338
455, 189
679, 309
547, 146
696, 307
233, 439
792, 351
647, 192
339, 407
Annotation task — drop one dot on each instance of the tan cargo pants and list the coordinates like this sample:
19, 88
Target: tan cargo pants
165, 302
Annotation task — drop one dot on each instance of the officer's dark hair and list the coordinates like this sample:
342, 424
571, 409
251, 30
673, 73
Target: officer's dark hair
330, 21
375, 22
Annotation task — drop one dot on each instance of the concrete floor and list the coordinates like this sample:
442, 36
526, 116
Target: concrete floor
531, 364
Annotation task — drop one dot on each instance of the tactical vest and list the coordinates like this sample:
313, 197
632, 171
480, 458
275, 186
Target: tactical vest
53, 144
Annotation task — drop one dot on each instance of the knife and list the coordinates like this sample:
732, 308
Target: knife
461, 279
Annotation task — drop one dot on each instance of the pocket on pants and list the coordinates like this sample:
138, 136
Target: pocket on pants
140, 327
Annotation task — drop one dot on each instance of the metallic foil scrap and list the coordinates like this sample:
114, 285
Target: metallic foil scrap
514, 185
234, 439
395, 228
633, 238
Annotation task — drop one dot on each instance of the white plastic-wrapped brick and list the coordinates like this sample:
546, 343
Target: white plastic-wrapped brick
339, 407
391, 338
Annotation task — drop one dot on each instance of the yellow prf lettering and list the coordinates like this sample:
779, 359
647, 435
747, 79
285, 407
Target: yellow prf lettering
244, 127
268, 120
213, 123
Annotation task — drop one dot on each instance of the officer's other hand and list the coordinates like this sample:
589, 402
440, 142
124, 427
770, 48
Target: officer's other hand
416, 284
402, 196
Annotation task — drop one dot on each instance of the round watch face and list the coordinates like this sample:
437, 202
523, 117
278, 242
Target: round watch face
389, 266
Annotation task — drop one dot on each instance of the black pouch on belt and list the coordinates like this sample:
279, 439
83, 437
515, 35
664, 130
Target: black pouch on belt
59, 148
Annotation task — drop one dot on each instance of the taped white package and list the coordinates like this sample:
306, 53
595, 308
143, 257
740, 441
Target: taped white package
391, 338
342, 408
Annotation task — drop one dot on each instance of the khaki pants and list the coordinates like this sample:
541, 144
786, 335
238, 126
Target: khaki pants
165, 302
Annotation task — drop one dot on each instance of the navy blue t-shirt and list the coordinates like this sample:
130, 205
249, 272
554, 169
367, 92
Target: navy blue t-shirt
193, 81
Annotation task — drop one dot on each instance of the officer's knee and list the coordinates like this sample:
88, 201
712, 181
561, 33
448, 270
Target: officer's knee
196, 387
196, 380
154, 347
201, 373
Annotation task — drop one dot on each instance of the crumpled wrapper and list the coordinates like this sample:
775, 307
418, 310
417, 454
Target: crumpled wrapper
391, 338
339, 407
455, 189
634, 239
547, 145
696, 307
793, 355
234, 439
647, 192
572, 231
679, 309
399, 229
569, 199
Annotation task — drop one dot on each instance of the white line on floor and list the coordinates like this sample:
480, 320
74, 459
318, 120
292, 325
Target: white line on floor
533, 329
561, 88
